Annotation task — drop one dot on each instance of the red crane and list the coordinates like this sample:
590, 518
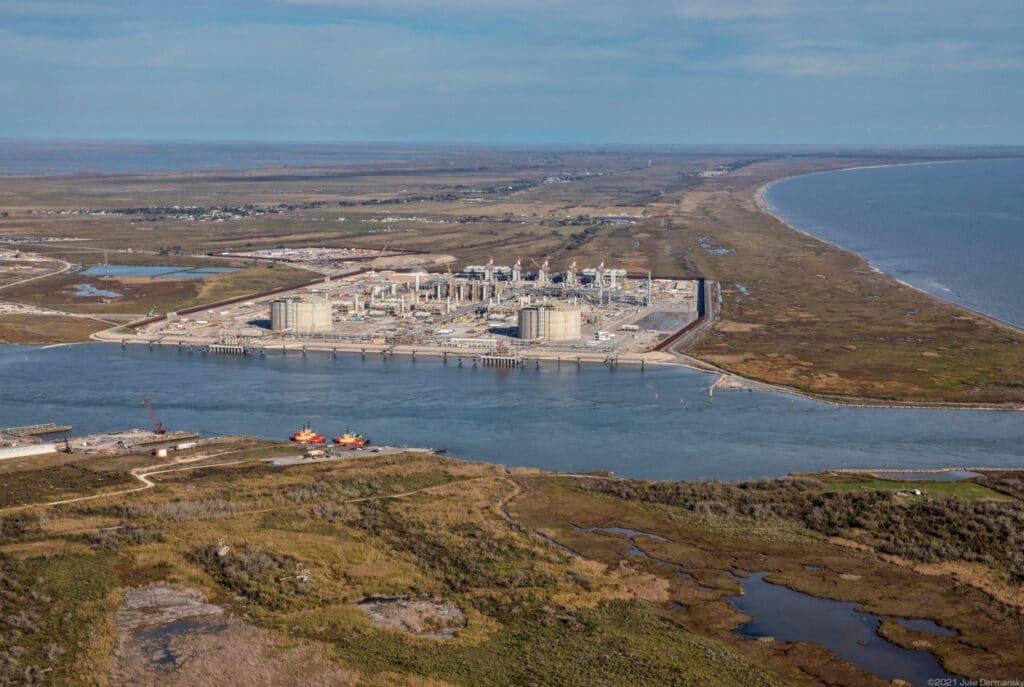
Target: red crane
157, 427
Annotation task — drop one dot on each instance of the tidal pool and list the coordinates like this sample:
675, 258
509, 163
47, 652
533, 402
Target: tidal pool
791, 616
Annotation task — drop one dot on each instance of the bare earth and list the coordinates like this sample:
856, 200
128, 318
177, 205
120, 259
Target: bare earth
169, 636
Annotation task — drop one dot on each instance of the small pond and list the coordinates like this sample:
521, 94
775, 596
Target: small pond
157, 271
90, 291
792, 616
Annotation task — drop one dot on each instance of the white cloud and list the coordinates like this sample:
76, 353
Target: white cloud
814, 59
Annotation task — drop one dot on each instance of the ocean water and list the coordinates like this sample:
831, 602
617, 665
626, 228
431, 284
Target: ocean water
61, 158
656, 423
955, 230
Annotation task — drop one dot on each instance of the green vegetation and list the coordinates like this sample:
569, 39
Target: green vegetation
933, 528
288, 552
614, 643
48, 611
58, 482
258, 575
251, 280
964, 489
711, 528
1007, 482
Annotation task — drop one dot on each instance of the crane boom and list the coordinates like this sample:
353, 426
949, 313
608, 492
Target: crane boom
157, 427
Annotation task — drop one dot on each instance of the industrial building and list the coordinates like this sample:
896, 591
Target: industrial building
308, 314
548, 323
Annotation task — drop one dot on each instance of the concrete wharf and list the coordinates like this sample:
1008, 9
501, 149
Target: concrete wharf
167, 438
36, 430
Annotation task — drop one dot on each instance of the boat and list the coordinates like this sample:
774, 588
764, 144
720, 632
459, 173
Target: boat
306, 435
349, 439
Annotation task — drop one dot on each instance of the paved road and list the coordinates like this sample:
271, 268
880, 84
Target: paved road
65, 268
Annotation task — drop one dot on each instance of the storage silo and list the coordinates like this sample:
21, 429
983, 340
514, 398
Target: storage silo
529, 324
282, 314
306, 315
313, 314
562, 325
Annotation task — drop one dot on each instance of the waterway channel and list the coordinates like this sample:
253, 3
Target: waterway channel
657, 423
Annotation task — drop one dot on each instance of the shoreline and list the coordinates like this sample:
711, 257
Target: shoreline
764, 206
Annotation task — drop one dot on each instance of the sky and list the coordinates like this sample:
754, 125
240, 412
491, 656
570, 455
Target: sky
515, 71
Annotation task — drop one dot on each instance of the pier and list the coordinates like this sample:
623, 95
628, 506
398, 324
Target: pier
166, 438
494, 360
229, 349
36, 430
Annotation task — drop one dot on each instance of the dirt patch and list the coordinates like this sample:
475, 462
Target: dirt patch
170, 636
731, 326
160, 604
397, 261
427, 618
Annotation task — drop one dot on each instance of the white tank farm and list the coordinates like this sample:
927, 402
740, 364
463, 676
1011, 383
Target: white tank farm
550, 324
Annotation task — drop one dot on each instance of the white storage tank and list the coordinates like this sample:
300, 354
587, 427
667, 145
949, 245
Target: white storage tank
541, 323
305, 315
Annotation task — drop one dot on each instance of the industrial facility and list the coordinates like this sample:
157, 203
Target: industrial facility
484, 309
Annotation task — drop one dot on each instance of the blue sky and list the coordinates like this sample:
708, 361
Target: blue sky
515, 71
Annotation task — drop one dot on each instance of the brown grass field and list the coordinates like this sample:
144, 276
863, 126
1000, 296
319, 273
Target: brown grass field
304, 544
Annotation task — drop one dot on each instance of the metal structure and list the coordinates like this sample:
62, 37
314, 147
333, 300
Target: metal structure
158, 428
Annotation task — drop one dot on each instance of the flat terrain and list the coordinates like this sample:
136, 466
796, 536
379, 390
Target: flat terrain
46, 329
413, 569
795, 311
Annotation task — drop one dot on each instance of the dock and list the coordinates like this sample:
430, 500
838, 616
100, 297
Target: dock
167, 438
36, 430
229, 349
495, 360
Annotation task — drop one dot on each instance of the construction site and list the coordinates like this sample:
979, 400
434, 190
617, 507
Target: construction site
503, 311
45, 438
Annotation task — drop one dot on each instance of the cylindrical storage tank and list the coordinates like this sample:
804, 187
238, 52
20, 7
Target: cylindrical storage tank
313, 315
562, 325
282, 314
303, 317
529, 324
323, 316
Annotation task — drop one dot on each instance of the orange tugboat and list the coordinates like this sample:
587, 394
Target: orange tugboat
307, 436
349, 439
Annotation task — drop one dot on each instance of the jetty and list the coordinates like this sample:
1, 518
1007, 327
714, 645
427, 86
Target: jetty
36, 430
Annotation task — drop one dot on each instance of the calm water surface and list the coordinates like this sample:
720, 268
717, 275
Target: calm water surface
656, 424
790, 616
954, 230
61, 158
161, 271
